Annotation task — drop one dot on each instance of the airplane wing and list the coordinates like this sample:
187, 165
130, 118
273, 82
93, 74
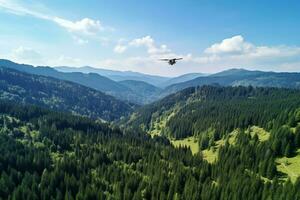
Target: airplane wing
164, 59
178, 58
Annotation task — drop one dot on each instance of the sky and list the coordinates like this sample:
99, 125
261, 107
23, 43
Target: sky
209, 35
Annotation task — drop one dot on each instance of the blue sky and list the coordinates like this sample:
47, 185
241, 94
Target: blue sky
132, 35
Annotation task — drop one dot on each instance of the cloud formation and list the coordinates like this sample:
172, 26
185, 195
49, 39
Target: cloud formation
149, 43
237, 49
25, 54
120, 48
233, 45
230, 52
84, 26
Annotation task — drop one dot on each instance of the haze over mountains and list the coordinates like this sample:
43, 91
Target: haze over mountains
141, 88
118, 75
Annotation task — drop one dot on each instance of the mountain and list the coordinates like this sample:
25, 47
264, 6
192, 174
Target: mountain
238, 72
182, 78
243, 142
257, 129
92, 80
59, 95
197, 104
241, 77
52, 155
117, 75
147, 91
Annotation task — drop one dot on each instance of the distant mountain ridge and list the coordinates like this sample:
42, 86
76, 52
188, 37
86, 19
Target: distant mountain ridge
147, 92
59, 95
117, 75
241, 77
91, 77
92, 80
142, 88
182, 78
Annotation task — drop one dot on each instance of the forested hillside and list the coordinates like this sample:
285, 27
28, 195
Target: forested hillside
59, 95
146, 92
91, 80
194, 110
49, 155
221, 122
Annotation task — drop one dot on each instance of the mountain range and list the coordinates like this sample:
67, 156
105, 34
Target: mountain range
240, 77
117, 75
142, 89
60, 95
203, 142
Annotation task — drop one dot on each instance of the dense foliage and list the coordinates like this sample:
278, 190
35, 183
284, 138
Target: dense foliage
194, 110
59, 95
51, 155
225, 109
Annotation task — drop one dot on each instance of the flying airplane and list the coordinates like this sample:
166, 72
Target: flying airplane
171, 61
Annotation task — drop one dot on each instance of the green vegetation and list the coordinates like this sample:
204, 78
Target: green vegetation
227, 144
190, 142
211, 154
255, 126
260, 132
290, 166
59, 95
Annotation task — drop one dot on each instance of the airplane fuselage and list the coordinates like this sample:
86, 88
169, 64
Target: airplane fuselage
172, 62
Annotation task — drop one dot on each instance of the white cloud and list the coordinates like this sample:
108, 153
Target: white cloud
236, 52
233, 45
149, 43
84, 26
236, 46
120, 48
25, 54
16, 8
229, 53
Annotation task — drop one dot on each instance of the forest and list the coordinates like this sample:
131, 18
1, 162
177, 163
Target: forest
47, 154
17, 86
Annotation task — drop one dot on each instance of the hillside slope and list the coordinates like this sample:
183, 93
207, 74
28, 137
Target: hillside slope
218, 122
59, 95
182, 78
147, 92
193, 110
92, 80
61, 156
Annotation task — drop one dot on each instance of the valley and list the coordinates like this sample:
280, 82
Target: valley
204, 138
149, 100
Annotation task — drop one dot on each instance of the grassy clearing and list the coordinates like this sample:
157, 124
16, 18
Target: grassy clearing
262, 134
266, 180
160, 124
190, 142
290, 166
211, 154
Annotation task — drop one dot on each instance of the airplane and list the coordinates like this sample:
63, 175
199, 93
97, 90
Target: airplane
171, 61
